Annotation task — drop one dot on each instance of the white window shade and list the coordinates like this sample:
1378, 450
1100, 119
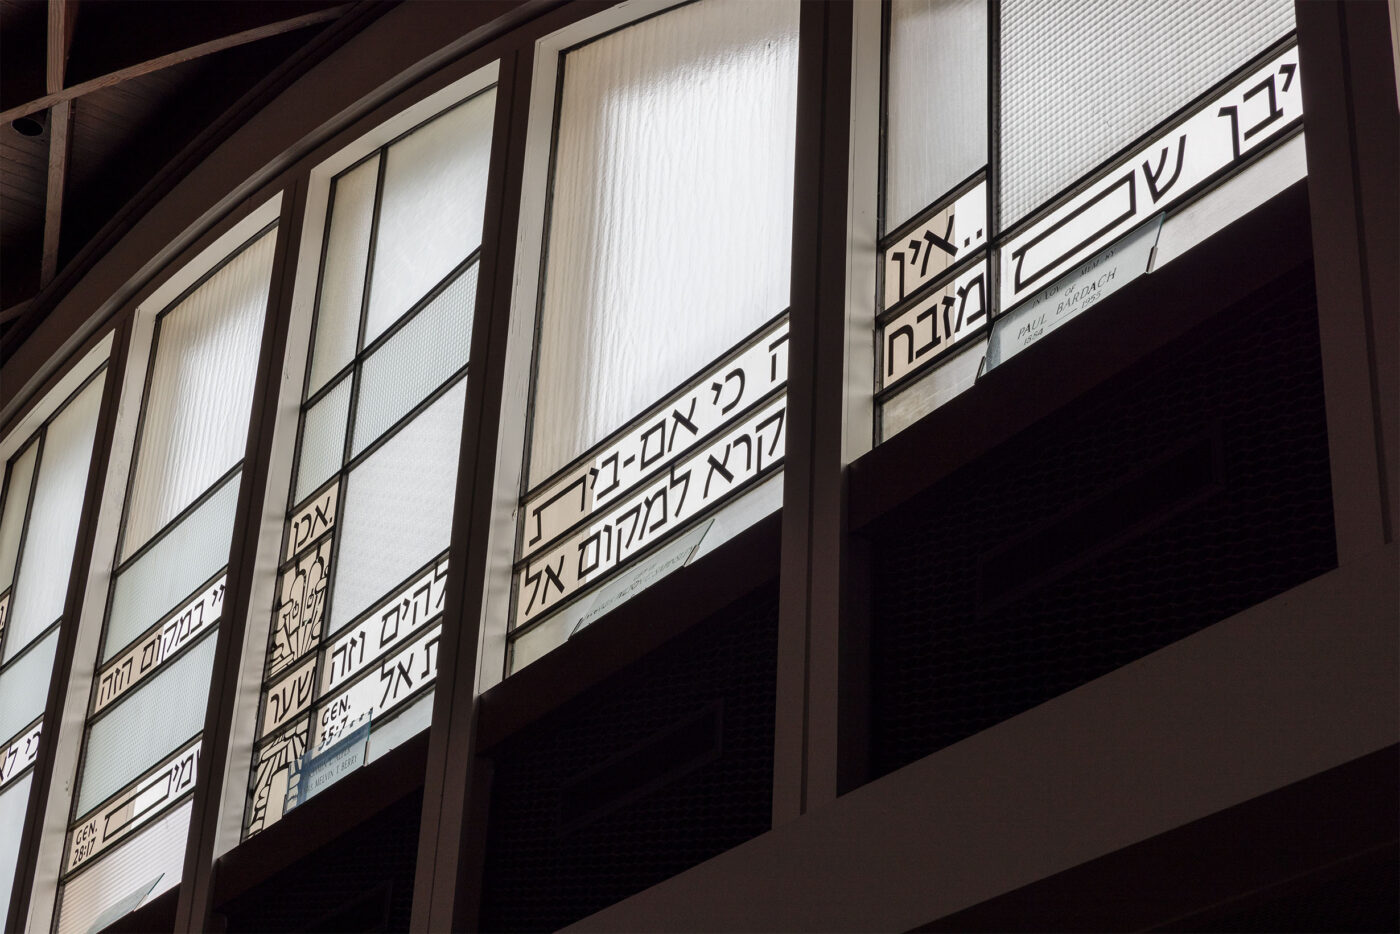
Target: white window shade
1067, 103
195, 424
343, 271
670, 226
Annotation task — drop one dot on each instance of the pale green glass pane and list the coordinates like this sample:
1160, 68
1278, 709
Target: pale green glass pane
196, 421
157, 716
179, 563
24, 687
323, 438
417, 359
14, 800
53, 524
343, 275
936, 115
12, 522
670, 225
431, 211
397, 510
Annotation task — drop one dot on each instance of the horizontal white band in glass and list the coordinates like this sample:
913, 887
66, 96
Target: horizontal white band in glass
652, 512
162, 641
400, 676
393, 621
312, 521
662, 435
953, 230
1219, 134
935, 325
20, 753
150, 796
287, 698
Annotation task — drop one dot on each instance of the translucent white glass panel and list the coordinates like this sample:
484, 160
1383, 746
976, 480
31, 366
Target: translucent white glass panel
53, 523
670, 228
13, 802
416, 360
12, 522
323, 438
1064, 111
172, 570
196, 420
343, 275
147, 724
397, 511
24, 687
402, 727
932, 390
431, 210
936, 113
150, 863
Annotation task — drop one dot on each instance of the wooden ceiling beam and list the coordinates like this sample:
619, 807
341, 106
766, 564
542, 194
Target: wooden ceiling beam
55, 97
62, 16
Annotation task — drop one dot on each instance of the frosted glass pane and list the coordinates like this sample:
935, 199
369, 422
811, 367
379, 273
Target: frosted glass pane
13, 803
670, 230
151, 862
343, 276
936, 115
431, 211
171, 571
323, 438
24, 687
398, 507
932, 390
1063, 111
196, 422
58, 505
12, 522
416, 360
147, 724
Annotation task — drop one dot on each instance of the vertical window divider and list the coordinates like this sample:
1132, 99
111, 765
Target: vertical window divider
806, 734
452, 839
195, 901
27, 863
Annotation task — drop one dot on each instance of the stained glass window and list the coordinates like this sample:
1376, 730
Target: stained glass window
984, 250
146, 709
659, 381
44, 480
352, 653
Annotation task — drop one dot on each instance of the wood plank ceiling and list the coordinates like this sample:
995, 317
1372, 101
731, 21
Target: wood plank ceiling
102, 104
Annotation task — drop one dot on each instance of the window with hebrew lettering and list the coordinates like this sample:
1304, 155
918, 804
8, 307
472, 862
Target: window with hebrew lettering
1011, 204
352, 647
164, 604
46, 462
658, 387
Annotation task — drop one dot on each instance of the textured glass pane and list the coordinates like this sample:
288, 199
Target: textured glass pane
12, 522
172, 570
1064, 111
343, 276
936, 129
147, 724
323, 438
13, 803
150, 863
416, 360
430, 215
397, 511
932, 390
53, 523
669, 233
196, 421
24, 687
